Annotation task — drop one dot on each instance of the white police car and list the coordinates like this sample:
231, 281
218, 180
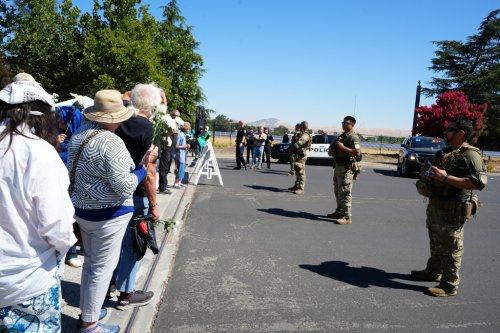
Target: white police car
319, 148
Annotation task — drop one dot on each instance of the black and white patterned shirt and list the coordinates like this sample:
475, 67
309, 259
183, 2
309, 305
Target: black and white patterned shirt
104, 175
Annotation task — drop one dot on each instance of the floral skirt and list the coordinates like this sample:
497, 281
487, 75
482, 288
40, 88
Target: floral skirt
39, 314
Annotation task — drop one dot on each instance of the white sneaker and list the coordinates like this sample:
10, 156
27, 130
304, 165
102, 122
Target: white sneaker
73, 260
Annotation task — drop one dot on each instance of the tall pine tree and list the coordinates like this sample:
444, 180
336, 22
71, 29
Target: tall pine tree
179, 58
474, 68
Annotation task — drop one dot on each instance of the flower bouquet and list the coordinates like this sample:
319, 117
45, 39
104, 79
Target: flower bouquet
163, 124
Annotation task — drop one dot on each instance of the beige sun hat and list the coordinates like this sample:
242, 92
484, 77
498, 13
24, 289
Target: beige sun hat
108, 108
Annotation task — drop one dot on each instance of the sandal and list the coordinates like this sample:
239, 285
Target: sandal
103, 329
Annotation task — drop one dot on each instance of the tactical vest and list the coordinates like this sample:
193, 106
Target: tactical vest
340, 156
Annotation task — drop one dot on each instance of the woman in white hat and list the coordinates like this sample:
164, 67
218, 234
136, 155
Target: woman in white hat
105, 178
36, 215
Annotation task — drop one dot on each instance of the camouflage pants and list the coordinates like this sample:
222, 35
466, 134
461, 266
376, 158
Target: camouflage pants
299, 165
446, 235
342, 186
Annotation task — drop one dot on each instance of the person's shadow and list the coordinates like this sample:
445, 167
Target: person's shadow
267, 188
292, 214
362, 277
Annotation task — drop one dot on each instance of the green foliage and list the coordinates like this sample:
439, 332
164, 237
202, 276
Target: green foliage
223, 124
474, 68
41, 37
179, 57
280, 130
116, 46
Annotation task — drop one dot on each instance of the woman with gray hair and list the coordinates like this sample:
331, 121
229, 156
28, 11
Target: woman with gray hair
104, 178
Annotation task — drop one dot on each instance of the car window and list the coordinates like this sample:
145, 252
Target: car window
320, 138
432, 143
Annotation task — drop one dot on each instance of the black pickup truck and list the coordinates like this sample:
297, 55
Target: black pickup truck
415, 151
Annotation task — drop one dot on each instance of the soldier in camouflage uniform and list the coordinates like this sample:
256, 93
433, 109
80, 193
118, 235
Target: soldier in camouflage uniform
300, 149
295, 137
345, 149
456, 171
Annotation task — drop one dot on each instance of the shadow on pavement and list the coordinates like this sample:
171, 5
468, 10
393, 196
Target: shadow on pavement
362, 277
289, 213
267, 188
276, 172
71, 293
385, 172
69, 324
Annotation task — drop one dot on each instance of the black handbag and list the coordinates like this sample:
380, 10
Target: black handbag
144, 235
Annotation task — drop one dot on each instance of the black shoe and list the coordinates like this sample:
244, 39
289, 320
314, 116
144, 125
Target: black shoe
245, 166
138, 298
237, 168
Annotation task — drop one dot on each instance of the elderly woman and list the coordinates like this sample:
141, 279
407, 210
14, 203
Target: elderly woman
105, 178
37, 215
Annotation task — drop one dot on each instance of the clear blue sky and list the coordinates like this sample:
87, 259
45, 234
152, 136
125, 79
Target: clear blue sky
320, 60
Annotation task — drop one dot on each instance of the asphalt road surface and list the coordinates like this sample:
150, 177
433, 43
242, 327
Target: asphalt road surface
257, 258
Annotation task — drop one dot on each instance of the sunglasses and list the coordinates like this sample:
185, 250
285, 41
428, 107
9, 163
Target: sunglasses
346, 123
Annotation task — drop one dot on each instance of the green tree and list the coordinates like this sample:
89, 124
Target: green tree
179, 58
474, 68
280, 130
120, 48
223, 123
41, 37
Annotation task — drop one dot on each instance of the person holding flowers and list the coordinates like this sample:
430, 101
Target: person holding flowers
139, 134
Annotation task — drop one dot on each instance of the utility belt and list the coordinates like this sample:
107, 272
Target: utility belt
351, 165
460, 209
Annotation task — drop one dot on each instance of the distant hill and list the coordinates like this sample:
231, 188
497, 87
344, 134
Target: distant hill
271, 122
274, 123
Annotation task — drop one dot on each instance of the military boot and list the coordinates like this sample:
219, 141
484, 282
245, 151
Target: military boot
443, 290
291, 173
335, 215
344, 220
424, 275
293, 188
299, 191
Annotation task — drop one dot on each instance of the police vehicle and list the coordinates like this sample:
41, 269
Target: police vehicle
317, 152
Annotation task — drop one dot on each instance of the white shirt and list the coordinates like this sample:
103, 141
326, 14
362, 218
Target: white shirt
36, 216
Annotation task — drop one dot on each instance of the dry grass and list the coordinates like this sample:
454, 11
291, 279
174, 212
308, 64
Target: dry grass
222, 142
493, 165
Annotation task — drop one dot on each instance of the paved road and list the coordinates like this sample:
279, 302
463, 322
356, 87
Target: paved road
256, 258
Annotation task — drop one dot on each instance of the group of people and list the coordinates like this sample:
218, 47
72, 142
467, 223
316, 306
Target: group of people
258, 146
104, 177
448, 183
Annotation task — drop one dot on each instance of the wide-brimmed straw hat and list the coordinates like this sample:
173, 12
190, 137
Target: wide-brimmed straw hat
108, 108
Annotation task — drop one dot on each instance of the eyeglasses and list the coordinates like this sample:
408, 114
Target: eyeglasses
346, 123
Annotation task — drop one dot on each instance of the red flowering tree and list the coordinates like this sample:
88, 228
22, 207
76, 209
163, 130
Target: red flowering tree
431, 121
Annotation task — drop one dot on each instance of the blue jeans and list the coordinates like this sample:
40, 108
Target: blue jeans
257, 154
128, 266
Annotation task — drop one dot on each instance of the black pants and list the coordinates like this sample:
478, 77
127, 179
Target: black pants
165, 163
239, 156
249, 151
267, 155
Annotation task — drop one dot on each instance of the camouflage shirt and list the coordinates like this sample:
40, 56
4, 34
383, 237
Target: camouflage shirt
350, 140
302, 145
462, 162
